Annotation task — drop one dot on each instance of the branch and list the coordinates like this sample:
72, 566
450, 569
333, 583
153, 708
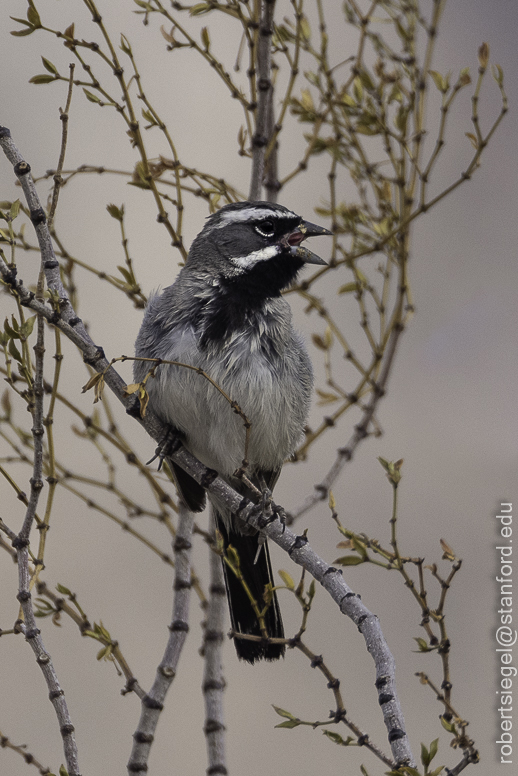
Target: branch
21, 749
21, 545
153, 701
264, 99
213, 679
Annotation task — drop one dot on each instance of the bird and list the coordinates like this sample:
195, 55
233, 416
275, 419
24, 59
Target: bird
225, 315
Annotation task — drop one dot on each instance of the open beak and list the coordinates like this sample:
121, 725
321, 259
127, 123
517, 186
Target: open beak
293, 242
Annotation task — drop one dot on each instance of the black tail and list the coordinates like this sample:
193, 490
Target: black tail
242, 615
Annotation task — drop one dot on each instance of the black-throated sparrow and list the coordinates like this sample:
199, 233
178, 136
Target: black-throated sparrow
225, 314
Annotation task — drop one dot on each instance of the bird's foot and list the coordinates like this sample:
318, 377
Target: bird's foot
267, 511
167, 444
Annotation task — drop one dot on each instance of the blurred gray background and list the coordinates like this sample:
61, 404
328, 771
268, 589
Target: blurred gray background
450, 413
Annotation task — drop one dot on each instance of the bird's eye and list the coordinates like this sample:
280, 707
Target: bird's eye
266, 228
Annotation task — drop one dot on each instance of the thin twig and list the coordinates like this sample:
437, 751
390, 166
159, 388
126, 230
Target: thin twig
58, 179
21, 749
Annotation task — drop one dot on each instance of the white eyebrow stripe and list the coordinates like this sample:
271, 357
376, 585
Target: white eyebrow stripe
253, 214
247, 262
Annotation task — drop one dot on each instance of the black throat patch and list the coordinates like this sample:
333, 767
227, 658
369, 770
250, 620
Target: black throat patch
238, 299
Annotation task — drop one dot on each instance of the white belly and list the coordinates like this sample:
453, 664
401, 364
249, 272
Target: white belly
273, 399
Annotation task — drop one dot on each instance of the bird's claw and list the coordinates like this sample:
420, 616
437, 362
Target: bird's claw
267, 511
168, 444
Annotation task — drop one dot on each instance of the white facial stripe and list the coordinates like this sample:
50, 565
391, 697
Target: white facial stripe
247, 262
253, 214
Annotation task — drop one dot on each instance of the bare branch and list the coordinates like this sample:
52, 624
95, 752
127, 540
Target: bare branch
264, 99
21, 545
153, 701
213, 679
58, 179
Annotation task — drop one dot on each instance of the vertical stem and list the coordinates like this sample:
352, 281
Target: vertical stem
153, 701
21, 545
264, 98
213, 679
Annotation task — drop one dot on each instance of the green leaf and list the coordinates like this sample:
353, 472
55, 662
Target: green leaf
116, 212
12, 331
498, 75
425, 755
27, 327
15, 353
22, 33
434, 746
283, 712
349, 560
325, 397
290, 723
126, 275
199, 9
90, 96
21, 21
464, 77
205, 38
63, 771
125, 46
149, 117
346, 99
367, 80
367, 129
359, 547
104, 652
47, 64
437, 771
33, 16
288, 581
449, 726
348, 288
401, 118
233, 556
305, 29
395, 94
42, 79
14, 210
313, 78
63, 590
438, 80
358, 89
335, 737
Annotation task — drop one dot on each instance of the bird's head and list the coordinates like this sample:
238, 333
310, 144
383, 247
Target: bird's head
254, 243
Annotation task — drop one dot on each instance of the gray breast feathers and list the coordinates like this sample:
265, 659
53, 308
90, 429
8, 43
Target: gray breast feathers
266, 370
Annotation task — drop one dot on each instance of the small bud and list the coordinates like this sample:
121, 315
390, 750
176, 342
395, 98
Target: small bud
483, 55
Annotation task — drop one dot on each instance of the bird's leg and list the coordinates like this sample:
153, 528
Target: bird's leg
264, 508
167, 444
